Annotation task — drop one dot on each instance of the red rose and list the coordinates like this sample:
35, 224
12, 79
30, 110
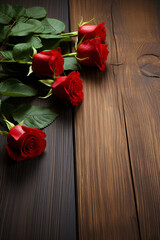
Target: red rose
25, 142
69, 88
49, 63
92, 31
94, 52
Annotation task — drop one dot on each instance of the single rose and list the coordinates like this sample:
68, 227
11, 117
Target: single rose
69, 88
94, 52
48, 63
91, 31
25, 142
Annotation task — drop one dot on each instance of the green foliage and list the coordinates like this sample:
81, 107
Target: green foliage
7, 9
25, 28
70, 63
34, 116
22, 29
53, 26
20, 25
6, 13
36, 25
19, 12
4, 19
22, 51
34, 41
4, 30
8, 54
14, 88
36, 12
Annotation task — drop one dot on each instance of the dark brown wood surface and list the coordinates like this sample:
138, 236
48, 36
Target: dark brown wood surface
37, 197
117, 127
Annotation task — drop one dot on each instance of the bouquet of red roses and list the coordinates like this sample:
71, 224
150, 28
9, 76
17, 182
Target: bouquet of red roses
32, 47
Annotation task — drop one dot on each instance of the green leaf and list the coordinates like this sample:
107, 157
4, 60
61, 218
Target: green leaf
35, 42
8, 54
15, 88
22, 29
19, 12
70, 63
34, 116
53, 26
4, 19
7, 9
36, 12
3, 32
22, 51
22, 19
37, 25
6, 13
25, 28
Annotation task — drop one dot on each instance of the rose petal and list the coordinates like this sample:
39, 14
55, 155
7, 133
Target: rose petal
13, 154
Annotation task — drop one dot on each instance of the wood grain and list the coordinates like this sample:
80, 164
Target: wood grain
136, 28
37, 198
120, 111
105, 194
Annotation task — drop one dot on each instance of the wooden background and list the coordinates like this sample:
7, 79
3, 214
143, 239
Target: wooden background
99, 177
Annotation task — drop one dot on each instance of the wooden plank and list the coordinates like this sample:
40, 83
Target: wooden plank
37, 198
105, 196
136, 28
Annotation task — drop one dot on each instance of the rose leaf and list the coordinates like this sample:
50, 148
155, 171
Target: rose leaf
70, 63
36, 12
53, 26
22, 51
14, 88
6, 13
3, 32
34, 116
8, 54
19, 13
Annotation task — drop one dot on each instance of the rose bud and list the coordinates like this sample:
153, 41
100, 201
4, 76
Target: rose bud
94, 52
25, 142
92, 31
48, 63
69, 88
